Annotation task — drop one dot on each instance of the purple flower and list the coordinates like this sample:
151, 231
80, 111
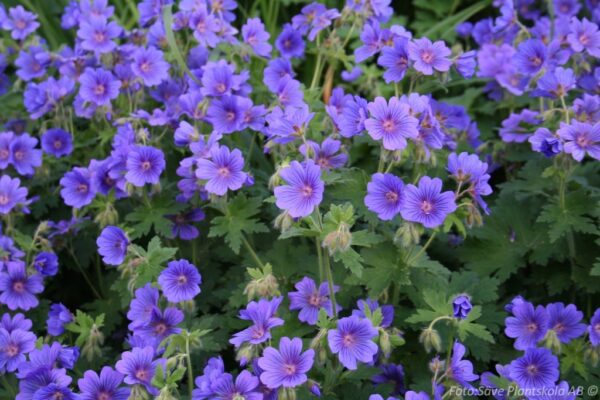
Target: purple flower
144, 165
46, 263
213, 370
581, 138
530, 56
18, 289
54, 391
286, 367
97, 35
262, 315
351, 121
23, 154
107, 386
555, 84
20, 22
395, 60
142, 305
310, 300
538, 368
290, 42
180, 281
565, 321
325, 154
11, 194
427, 204
245, 387
384, 195
594, 328
391, 122
391, 374
528, 325
182, 224
33, 63
371, 37
276, 70
18, 321
58, 317
584, 35
13, 347
160, 325
289, 93
411, 395
428, 56
139, 367
459, 370
466, 64
225, 114
254, 34
516, 128
150, 66
223, 171
352, 75
304, 189
98, 86
352, 341
461, 306
543, 141
6, 139
112, 245
57, 142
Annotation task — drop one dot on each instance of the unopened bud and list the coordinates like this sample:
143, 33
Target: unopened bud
283, 222
474, 216
338, 240
385, 343
287, 393
430, 338
108, 216
407, 235
245, 354
436, 365
314, 387
592, 355
552, 341
93, 345
165, 394
266, 286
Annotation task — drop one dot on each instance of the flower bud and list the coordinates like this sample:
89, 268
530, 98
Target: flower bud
93, 345
338, 240
592, 355
407, 235
245, 354
283, 222
430, 338
266, 286
436, 366
552, 341
462, 306
287, 394
385, 343
314, 387
165, 394
108, 216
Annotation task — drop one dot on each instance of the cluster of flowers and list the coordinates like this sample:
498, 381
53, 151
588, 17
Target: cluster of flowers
549, 59
111, 69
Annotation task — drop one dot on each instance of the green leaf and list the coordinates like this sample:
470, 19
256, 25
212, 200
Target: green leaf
153, 261
83, 325
387, 267
571, 218
238, 221
153, 216
467, 327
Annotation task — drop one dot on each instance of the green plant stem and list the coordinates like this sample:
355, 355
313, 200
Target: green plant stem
190, 372
255, 257
438, 319
330, 284
320, 259
8, 386
564, 106
425, 246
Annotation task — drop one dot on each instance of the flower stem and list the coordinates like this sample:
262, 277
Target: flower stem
255, 257
190, 372
330, 284
425, 246
320, 259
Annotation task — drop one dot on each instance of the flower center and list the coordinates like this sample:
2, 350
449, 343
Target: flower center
348, 340
314, 300
307, 191
583, 141
257, 332
20, 24
427, 56
532, 327
57, 144
146, 165
99, 37
57, 396
289, 369
426, 206
391, 197
532, 369
145, 66
99, 89
4, 199
82, 188
141, 374
19, 154
221, 87
11, 350
104, 396
584, 39
287, 43
323, 162
160, 328
224, 172
19, 287
388, 125
230, 116
182, 279
559, 328
4, 154
535, 60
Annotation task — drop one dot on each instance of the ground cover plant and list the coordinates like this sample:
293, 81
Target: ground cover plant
211, 199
